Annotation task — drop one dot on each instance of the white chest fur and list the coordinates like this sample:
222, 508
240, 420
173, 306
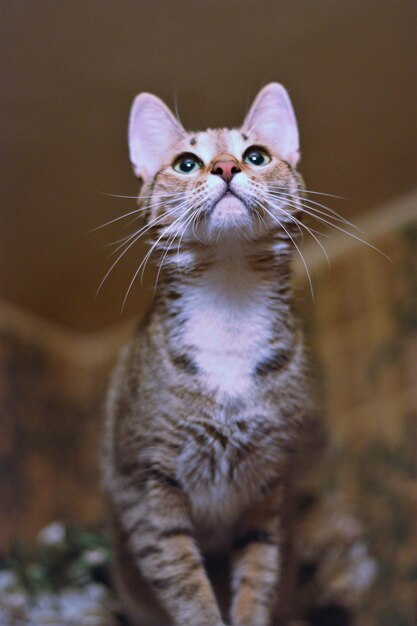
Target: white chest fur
228, 323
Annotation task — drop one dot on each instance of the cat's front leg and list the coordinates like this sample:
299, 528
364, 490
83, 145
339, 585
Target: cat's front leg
256, 558
164, 550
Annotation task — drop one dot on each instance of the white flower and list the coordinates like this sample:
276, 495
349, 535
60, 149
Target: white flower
73, 603
97, 593
14, 600
45, 601
40, 615
7, 580
363, 565
52, 534
4, 616
95, 557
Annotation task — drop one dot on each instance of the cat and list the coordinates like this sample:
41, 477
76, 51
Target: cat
210, 406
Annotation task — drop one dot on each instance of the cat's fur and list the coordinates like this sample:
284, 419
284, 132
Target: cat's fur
209, 404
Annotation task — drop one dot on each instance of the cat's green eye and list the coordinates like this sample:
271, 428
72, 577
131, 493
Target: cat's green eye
256, 156
187, 164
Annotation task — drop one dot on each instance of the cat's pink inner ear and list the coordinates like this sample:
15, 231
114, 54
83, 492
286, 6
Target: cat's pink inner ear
271, 120
153, 133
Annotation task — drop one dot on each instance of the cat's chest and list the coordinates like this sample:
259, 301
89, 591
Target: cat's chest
229, 327
223, 467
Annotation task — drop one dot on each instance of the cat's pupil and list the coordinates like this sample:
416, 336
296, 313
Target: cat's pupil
256, 158
187, 165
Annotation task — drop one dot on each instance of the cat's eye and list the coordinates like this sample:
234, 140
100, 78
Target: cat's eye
187, 164
256, 156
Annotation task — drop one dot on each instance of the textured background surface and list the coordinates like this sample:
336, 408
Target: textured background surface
362, 329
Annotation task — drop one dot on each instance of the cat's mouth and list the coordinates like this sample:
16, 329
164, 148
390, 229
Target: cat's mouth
230, 193
230, 201
229, 212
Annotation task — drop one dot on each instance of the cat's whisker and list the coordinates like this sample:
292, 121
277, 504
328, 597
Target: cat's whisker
307, 228
327, 195
115, 195
308, 211
319, 193
139, 210
328, 212
149, 225
171, 239
135, 237
169, 245
184, 199
196, 216
242, 229
195, 212
139, 195
299, 205
107, 274
166, 206
182, 233
298, 201
145, 260
262, 221
116, 219
292, 218
258, 217
296, 247
307, 203
137, 234
175, 234
327, 209
172, 195
115, 243
191, 220
141, 265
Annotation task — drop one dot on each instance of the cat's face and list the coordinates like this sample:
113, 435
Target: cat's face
218, 183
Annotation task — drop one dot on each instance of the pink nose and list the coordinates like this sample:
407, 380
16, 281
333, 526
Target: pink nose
226, 167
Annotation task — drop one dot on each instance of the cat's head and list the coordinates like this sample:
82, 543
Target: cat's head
217, 183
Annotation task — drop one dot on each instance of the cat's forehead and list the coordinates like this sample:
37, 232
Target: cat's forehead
208, 144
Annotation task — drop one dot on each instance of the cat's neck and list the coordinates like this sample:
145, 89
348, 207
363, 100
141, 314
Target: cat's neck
232, 275
230, 313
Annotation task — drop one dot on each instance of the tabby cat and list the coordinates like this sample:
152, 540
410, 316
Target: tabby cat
209, 406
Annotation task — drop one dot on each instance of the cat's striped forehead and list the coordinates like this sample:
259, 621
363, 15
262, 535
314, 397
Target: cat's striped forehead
208, 144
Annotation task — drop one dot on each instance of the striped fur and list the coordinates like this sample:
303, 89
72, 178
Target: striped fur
209, 403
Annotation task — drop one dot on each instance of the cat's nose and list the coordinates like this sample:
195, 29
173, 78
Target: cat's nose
225, 166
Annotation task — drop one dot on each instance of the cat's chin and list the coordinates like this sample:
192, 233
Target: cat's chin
230, 214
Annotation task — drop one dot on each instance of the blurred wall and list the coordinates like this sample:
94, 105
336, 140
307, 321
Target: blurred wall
71, 68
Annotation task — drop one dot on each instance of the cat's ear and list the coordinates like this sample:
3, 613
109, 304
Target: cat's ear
153, 130
272, 118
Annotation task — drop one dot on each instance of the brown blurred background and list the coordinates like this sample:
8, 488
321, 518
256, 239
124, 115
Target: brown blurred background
70, 70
